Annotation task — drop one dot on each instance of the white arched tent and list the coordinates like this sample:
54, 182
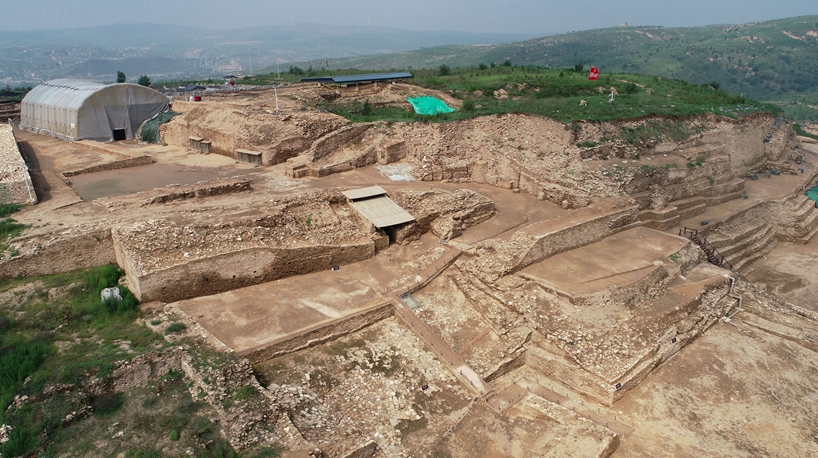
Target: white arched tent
77, 110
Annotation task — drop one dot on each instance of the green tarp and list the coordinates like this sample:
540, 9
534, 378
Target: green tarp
813, 194
150, 130
429, 106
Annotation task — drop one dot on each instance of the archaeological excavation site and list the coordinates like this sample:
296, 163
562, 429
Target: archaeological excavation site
499, 286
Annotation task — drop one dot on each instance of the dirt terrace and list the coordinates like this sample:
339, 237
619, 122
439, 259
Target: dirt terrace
558, 292
379, 385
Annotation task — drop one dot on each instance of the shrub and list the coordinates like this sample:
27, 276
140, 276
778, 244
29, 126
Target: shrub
107, 404
143, 453
444, 70
714, 84
175, 327
690, 164
507, 63
629, 88
468, 105
482, 66
579, 67
366, 110
174, 435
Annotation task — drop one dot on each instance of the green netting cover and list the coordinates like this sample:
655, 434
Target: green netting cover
813, 194
429, 106
150, 130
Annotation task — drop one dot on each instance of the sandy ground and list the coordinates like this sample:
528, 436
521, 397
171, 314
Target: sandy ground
734, 392
603, 264
254, 316
791, 272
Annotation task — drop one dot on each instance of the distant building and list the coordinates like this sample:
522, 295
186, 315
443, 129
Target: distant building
624, 24
357, 79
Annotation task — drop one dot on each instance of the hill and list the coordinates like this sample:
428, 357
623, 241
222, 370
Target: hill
771, 61
96, 53
565, 95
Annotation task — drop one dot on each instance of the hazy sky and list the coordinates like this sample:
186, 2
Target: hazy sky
509, 16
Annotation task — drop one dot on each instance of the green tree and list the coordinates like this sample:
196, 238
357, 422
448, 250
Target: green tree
445, 70
144, 81
120, 77
579, 66
482, 66
507, 63
367, 109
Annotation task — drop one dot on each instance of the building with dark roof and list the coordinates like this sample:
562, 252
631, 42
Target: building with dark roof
357, 79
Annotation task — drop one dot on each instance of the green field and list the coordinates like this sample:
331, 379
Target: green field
773, 61
56, 338
554, 93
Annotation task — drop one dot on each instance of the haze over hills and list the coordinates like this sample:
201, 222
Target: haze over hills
769, 61
171, 52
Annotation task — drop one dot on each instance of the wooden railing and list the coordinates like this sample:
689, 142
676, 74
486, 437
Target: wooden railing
713, 255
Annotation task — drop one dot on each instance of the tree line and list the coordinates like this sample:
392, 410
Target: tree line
142, 81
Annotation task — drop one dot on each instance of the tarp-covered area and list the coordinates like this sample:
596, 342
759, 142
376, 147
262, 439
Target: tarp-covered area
77, 110
812, 193
429, 105
150, 130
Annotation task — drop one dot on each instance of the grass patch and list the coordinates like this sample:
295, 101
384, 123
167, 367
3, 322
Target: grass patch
143, 453
800, 131
92, 336
10, 228
175, 327
8, 209
557, 94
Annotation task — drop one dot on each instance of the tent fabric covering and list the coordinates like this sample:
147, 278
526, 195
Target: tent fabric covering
149, 133
426, 105
77, 110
